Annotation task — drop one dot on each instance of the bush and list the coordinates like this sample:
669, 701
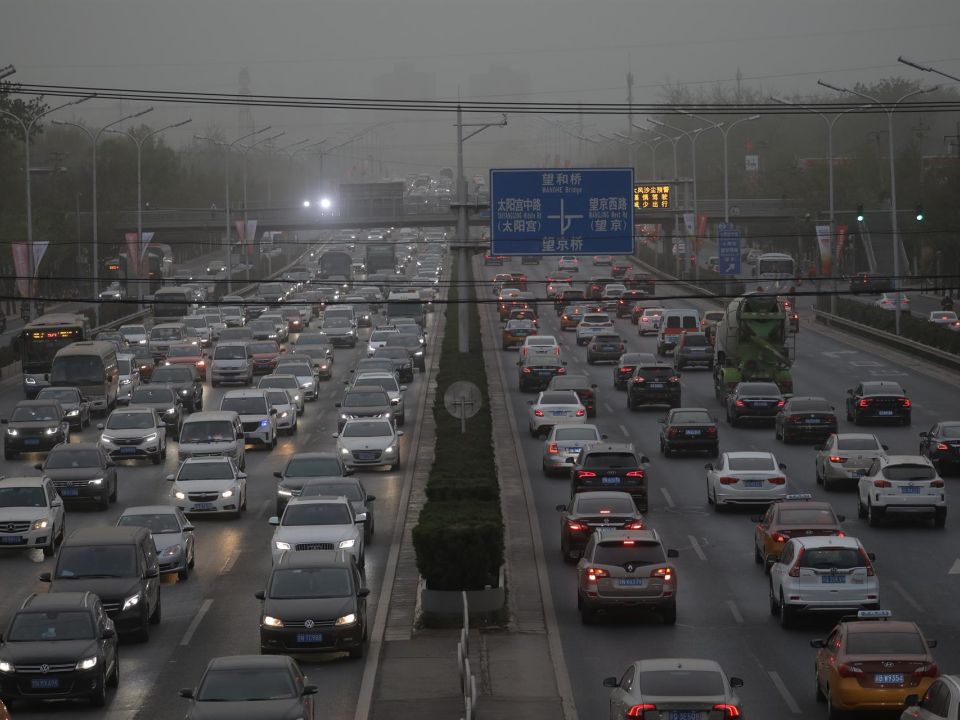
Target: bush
459, 545
911, 327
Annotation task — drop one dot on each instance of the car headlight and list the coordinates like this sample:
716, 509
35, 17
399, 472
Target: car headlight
281, 545
51, 430
171, 551
73, 413
390, 450
361, 516
344, 451
123, 381
296, 398
171, 411
284, 414
29, 381
182, 392
6, 667
348, 619
180, 495
95, 481
284, 491
149, 438
105, 438
344, 416
419, 353
264, 423
143, 342
388, 415
395, 401
270, 621
12, 431
227, 493
131, 601
40, 524
349, 332
344, 544
307, 383
272, 337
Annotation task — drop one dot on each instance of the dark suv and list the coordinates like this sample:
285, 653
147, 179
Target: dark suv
693, 349
657, 384
611, 466
34, 426
120, 565
878, 400
183, 380
82, 472
59, 646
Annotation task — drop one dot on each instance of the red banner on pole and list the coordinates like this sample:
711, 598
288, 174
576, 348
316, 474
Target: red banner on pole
841, 241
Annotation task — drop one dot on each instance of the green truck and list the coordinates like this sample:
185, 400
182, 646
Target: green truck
381, 258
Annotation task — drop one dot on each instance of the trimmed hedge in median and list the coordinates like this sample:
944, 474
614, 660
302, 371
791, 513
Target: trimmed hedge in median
911, 327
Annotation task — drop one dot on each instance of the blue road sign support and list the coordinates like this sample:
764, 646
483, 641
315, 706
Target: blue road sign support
728, 249
561, 211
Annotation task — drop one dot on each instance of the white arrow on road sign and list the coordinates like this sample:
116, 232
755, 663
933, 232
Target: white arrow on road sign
729, 268
565, 220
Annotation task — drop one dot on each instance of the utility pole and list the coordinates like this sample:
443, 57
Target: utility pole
629, 97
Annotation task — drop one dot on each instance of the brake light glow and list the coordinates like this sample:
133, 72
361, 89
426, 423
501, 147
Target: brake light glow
574, 526
629, 543
561, 371
581, 412
881, 483
781, 403
727, 480
837, 459
937, 483
639, 379
904, 402
779, 480
635, 525
604, 512
673, 432
793, 418
538, 412
636, 473
586, 474
626, 370
711, 432
865, 402
201, 363
594, 573
553, 449
664, 572
739, 403
795, 570
942, 446
845, 670
928, 670
637, 711
674, 379
729, 711
526, 371
779, 538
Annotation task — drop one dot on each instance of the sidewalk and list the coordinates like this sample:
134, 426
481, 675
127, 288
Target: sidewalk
419, 675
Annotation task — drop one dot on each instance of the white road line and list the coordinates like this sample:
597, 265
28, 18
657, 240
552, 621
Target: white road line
906, 596
623, 429
955, 568
735, 611
667, 497
228, 565
696, 545
784, 693
607, 407
195, 623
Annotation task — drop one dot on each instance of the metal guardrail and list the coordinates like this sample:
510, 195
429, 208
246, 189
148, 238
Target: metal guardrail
468, 681
936, 355
707, 295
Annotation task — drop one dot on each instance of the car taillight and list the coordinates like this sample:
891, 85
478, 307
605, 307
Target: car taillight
581, 412
628, 370
942, 446
553, 449
711, 432
635, 525
779, 480
904, 402
864, 402
727, 480
674, 379
795, 570
881, 483
636, 473
586, 474
779, 538
594, 573
665, 572
525, 371
837, 459
846, 671
832, 419
781, 403
866, 562
637, 711
574, 526
729, 711
639, 379
739, 403
938, 483
561, 371
793, 418
538, 412
201, 363
673, 432
928, 670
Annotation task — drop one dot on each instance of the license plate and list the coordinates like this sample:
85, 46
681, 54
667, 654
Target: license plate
888, 678
10, 540
632, 582
69, 492
833, 579
309, 637
558, 413
656, 386
128, 451
544, 373
610, 481
366, 456
910, 490
31, 441
691, 432
574, 450
48, 683
753, 483
885, 413
683, 715
812, 421
202, 506
858, 473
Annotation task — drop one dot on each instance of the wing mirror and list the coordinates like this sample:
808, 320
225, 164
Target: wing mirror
756, 518
186, 693
278, 474
610, 682
274, 520
842, 518
644, 460
708, 466
671, 553
260, 595
818, 643
736, 682
782, 466
561, 508
170, 478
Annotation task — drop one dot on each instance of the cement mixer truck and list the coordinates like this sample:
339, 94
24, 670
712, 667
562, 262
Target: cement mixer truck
753, 343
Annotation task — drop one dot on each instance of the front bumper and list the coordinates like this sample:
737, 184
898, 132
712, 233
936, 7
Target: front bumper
127, 452
322, 637
231, 376
53, 685
25, 538
31, 443
81, 491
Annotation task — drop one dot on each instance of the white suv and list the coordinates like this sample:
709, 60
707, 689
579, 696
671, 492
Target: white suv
907, 484
824, 573
31, 514
593, 324
258, 418
318, 523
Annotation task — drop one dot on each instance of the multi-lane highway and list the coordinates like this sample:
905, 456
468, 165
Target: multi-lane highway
723, 607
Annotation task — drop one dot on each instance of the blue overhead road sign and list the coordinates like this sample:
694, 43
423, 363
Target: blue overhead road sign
561, 211
728, 249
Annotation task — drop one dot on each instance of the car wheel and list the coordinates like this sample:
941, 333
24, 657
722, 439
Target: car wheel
163, 451
402, 420
715, 452
156, 458
630, 405
214, 383
104, 503
757, 557
395, 465
243, 503
157, 612
9, 455
873, 515
113, 494
861, 511
50, 548
774, 607
817, 475
193, 558
832, 712
940, 518
669, 614
99, 696
114, 679
183, 574
356, 653
587, 616
786, 614
818, 691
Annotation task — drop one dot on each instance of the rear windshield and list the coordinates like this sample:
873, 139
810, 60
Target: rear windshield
826, 558
692, 340
279, 381
559, 398
655, 373
691, 417
887, 388
615, 506
809, 406
166, 334
575, 433
950, 431
638, 553
278, 397
751, 463
759, 389
807, 516
885, 643
861, 443
682, 683
909, 472
611, 460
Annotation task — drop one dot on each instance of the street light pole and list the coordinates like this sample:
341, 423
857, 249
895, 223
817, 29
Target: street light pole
673, 141
889, 109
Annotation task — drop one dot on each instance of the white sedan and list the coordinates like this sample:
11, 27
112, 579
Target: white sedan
888, 301
568, 263
369, 441
209, 485
540, 344
555, 407
745, 478
593, 324
649, 320
378, 339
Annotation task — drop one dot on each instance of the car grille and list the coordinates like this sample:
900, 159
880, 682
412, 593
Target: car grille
68, 483
366, 454
315, 623
30, 432
314, 546
50, 668
128, 441
203, 496
251, 426
112, 608
14, 527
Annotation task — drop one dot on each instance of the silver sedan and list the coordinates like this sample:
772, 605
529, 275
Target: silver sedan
564, 443
845, 457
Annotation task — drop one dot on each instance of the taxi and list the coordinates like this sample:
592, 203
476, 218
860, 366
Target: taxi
870, 662
524, 313
571, 317
516, 331
555, 283
519, 280
505, 301
796, 516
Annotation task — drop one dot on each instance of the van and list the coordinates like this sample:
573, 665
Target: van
117, 564
213, 434
91, 367
164, 335
405, 304
173, 303
231, 362
673, 322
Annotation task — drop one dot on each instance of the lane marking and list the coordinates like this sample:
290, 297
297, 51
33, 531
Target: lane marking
864, 363
784, 693
735, 611
607, 407
696, 547
195, 623
906, 596
955, 568
667, 497
623, 429
228, 565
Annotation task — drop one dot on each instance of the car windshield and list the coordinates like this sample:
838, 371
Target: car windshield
381, 335
559, 398
63, 395
310, 583
596, 506
387, 384
628, 552
312, 339
317, 514
885, 643
656, 374
84, 561
125, 366
335, 322
807, 516
886, 388
297, 368
247, 684
171, 375
751, 463
351, 491
220, 470
66, 458
245, 405
130, 421
183, 351
809, 406
398, 353
153, 395
909, 472
691, 340
367, 429
35, 413
166, 333
157, 523
230, 352
279, 381
861, 443
691, 416
827, 558
575, 433
364, 399
312, 467
681, 683
198, 431
262, 347
129, 330
62, 625
611, 460
22, 497
763, 389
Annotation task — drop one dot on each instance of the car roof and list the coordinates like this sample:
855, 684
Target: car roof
649, 664
857, 436
313, 455
604, 446
56, 601
881, 385
244, 393
618, 534
320, 500
24, 481
247, 662
62, 447
749, 454
868, 626
602, 495
201, 460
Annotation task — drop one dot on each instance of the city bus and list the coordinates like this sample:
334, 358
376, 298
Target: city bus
41, 339
776, 268
172, 303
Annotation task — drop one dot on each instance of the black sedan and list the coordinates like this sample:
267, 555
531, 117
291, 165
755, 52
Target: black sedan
627, 364
754, 401
689, 430
183, 380
942, 444
402, 361
251, 687
654, 385
805, 418
81, 472
34, 426
878, 400
536, 371
590, 510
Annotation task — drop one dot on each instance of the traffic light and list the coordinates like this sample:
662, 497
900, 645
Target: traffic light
919, 212
860, 212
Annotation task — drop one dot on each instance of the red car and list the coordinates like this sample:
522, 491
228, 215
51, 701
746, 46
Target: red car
265, 354
187, 354
490, 259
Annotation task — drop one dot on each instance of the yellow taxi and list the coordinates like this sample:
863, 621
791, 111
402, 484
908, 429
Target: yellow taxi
515, 331
794, 516
870, 662
571, 317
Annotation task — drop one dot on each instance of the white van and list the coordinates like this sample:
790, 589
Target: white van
673, 323
213, 434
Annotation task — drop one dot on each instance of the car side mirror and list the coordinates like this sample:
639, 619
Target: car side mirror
5, 421
363, 592
529, 402
403, 388
756, 518
38, 466
310, 689
108, 632
240, 435
186, 693
610, 682
260, 595
274, 520
277, 474
561, 508
99, 426
594, 386
644, 460
736, 682
604, 437
518, 363
818, 643
671, 553
153, 571
841, 518
370, 498
708, 466
399, 433
849, 391
912, 700
923, 434
820, 448
564, 362
662, 421
170, 478
45, 577
931, 643
885, 447
273, 411
334, 435
782, 466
